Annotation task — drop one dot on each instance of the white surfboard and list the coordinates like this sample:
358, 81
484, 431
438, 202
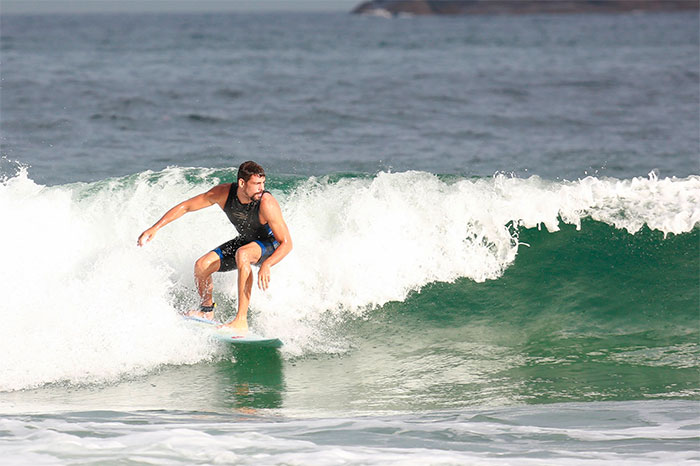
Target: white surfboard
231, 336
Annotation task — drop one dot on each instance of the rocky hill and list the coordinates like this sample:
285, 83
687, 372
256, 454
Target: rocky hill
467, 7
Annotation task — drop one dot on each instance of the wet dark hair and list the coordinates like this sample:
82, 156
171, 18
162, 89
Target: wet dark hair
248, 169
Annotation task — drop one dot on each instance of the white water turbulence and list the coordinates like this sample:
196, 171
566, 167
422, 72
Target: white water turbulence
360, 243
81, 303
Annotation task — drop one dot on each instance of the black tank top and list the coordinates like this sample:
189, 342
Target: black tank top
245, 217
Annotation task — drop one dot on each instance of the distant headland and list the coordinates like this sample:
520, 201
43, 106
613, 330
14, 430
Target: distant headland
472, 7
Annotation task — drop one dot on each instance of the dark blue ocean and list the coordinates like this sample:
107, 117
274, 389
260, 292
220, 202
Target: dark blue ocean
496, 225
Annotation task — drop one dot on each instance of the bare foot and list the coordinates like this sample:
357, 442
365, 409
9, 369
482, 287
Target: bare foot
238, 325
202, 315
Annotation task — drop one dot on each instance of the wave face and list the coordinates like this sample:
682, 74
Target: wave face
564, 277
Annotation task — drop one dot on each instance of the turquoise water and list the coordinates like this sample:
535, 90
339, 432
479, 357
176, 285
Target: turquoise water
495, 226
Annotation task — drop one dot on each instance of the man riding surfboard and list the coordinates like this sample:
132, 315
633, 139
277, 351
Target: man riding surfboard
263, 238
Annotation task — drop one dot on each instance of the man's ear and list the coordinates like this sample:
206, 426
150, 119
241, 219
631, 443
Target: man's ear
241, 183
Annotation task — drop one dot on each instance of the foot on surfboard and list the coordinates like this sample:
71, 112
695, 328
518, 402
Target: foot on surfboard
240, 327
204, 312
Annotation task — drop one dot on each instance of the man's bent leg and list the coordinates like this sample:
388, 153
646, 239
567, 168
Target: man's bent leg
203, 270
245, 256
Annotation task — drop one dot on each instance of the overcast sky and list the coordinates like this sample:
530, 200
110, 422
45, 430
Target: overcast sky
72, 6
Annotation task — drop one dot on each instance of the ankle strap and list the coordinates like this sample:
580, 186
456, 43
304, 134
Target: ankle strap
207, 308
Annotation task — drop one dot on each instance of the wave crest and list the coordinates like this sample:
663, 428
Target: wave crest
360, 242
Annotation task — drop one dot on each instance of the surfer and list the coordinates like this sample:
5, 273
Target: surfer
263, 238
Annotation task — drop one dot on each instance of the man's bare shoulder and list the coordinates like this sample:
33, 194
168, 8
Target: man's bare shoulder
268, 204
267, 197
219, 193
268, 200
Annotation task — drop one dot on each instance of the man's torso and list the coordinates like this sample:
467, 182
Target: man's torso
245, 217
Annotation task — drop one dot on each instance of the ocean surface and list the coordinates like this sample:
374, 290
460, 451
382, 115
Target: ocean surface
496, 225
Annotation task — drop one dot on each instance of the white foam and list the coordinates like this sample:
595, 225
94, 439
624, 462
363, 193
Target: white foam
627, 433
363, 243
80, 302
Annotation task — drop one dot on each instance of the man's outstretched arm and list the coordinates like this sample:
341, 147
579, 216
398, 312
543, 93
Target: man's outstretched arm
209, 198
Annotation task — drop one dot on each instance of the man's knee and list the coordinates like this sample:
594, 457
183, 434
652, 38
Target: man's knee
207, 264
244, 258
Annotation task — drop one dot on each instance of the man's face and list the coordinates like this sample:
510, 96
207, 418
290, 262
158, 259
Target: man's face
254, 187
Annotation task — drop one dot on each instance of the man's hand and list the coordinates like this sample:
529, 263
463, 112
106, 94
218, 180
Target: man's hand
264, 276
147, 236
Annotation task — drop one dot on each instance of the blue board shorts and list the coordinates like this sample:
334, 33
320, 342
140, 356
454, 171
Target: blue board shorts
227, 251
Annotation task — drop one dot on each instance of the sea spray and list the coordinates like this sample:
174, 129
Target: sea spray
79, 302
